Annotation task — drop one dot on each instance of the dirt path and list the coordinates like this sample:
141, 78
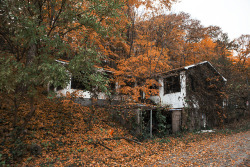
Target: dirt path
231, 150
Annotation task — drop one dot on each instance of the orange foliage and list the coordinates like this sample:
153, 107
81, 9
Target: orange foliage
111, 132
60, 131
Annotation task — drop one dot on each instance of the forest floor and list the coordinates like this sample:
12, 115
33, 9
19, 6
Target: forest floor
224, 147
63, 138
231, 150
217, 149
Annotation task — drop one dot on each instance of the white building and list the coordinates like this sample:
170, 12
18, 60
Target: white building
173, 91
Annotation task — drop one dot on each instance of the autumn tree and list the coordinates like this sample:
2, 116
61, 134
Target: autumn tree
185, 38
136, 48
170, 41
35, 33
238, 84
243, 49
160, 43
146, 59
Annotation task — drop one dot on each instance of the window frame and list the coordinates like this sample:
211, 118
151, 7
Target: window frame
172, 84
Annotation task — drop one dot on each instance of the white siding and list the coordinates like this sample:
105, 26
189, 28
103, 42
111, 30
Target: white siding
83, 94
175, 100
80, 93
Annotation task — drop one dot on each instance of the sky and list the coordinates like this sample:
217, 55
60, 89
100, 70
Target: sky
232, 16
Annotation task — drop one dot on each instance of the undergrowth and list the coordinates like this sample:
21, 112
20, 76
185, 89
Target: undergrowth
59, 135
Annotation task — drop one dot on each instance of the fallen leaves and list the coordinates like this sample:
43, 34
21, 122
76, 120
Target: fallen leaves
62, 133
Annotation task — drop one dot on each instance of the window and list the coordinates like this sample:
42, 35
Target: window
129, 83
75, 84
59, 88
154, 86
172, 84
112, 85
52, 88
112, 82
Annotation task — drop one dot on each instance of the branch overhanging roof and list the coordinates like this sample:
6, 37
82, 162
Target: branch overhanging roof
171, 71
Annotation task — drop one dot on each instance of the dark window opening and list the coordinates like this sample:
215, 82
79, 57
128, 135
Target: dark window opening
154, 86
51, 87
172, 84
59, 88
75, 84
112, 85
128, 83
112, 82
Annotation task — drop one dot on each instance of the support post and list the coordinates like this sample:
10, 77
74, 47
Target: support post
139, 118
151, 123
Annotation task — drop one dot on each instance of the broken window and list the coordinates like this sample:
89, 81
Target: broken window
172, 84
75, 84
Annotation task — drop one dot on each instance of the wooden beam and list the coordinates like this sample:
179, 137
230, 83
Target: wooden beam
151, 123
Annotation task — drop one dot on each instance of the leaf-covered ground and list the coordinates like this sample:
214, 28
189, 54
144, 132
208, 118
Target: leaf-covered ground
220, 150
62, 132
189, 150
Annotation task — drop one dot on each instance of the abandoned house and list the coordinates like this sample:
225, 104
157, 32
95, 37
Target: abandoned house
184, 88
190, 93
176, 84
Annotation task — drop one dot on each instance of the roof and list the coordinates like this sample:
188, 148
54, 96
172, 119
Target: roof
195, 65
99, 69
206, 62
171, 71
62, 61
